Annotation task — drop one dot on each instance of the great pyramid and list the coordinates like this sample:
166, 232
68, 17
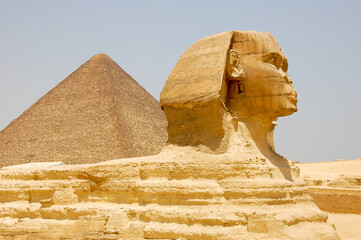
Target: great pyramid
97, 113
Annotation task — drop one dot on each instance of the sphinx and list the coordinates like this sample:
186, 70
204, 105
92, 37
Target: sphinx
226, 93
217, 178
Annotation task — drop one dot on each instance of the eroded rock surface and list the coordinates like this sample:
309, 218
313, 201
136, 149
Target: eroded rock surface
334, 186
218, 178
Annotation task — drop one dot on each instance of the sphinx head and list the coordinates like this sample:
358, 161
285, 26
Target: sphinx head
264, 89
238, 74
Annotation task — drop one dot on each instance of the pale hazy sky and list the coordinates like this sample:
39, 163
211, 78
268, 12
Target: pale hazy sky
42, 42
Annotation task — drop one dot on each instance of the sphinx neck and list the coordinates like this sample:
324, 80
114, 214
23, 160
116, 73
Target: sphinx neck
261, 132
253, 137
255, 131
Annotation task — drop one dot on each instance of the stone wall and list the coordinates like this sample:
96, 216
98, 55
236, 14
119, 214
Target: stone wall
174, 195
337, 200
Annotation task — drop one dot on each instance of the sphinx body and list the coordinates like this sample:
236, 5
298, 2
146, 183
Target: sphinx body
219, 176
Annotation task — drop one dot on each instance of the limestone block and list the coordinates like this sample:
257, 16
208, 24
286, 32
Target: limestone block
119, 225
179, 192
119, 191
38, 194
204, 215
46, 202
337, 200
264, 225
14, 194
117, 222
65, 196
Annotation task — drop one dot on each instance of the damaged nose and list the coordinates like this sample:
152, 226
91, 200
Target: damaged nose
288, 79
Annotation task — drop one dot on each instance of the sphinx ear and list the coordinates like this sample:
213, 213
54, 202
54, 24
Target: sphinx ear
233, 66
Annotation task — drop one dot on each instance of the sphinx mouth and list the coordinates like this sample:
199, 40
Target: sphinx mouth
292, 99
290, 95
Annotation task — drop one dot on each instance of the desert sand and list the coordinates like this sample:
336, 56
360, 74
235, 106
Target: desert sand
348, 226
338, 175
331, 170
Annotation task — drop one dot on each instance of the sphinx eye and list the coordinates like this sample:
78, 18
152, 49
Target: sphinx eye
271, 59
274, 59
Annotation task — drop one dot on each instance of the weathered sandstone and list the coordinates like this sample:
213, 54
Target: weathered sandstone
182, 194
334, 186
218, 178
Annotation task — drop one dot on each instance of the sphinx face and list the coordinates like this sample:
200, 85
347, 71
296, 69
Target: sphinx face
266, 89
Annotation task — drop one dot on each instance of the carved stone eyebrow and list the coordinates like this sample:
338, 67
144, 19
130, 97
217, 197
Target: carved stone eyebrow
268, 57
272, 57
274, 54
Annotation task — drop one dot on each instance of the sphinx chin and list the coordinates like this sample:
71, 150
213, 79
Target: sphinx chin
288, 107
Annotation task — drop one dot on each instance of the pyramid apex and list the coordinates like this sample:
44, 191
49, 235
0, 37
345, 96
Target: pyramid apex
99, 57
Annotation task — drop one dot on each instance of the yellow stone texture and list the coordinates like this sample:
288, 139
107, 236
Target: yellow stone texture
218, 178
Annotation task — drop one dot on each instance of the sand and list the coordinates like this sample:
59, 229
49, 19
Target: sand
348, 226
331, 170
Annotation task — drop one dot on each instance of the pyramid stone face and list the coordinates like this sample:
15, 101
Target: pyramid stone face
97, 113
